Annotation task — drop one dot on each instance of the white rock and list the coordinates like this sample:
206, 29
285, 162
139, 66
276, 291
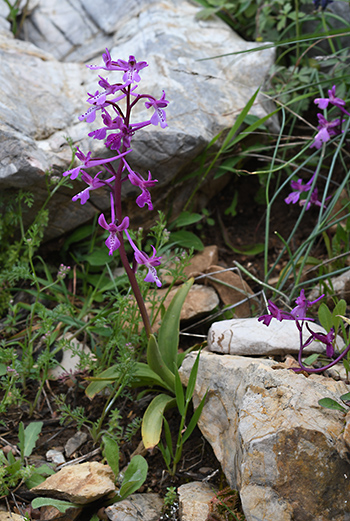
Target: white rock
55, 456
283, 452
205, 96
248, 336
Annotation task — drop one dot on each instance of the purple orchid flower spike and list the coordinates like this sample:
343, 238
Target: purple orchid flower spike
299, 312
298, 189
131, 69
137, 180
94, 183
159, 115
109, 64
326, 130
150, 262
112, 241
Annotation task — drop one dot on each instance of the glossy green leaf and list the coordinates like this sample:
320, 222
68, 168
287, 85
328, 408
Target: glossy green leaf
143, 376
194, 420
179, 393
157, 363
328, 403
102, 380
152, 421
192, 379
168, 335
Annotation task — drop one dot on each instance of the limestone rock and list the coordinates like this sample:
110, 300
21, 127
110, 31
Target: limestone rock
10, 516
194, 500
79, 484
340, 285
205, 96
238, 290
55, 456
200, 300
248, 336
145, 507
277, 447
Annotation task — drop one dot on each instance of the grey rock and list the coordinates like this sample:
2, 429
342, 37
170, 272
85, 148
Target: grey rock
283, 452
194, 500
248, 336
145, 507
75, 442
205, 96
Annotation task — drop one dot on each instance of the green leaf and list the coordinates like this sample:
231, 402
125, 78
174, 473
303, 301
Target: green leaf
111, 453
187, 218
331, 404
99, 383
134, 477
169, 443
20, 439
3, 369
144, 376
192, 379
99, 257
34, 480
186, 239
168, 335
325, 317
179, 393
345, 397
194, 419
339, 309
152, 421
311, 359
157, 363
31, 435
62, 506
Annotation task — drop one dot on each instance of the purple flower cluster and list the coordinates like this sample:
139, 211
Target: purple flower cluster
299, 315
117, 132
326, 130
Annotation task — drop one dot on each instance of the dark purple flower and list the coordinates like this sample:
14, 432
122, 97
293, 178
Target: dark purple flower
322, 3
313, 200
137, 180
112, 241
298, 189
327, 129
332, 99
159, 115
325, 339
275, 312
93, 183
299, 312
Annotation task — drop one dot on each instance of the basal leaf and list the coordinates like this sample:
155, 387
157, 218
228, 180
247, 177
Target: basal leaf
152, 421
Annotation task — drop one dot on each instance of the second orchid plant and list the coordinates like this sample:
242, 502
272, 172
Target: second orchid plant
117, 132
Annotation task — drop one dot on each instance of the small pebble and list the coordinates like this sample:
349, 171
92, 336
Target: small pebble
55, 456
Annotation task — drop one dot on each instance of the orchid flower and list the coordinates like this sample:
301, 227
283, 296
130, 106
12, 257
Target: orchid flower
159, 115
112, 241
93, 184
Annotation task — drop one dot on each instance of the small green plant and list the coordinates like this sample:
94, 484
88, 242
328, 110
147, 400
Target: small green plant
15, 471
225, 506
